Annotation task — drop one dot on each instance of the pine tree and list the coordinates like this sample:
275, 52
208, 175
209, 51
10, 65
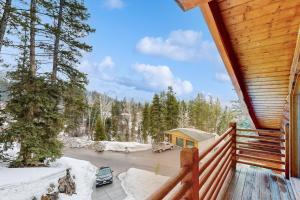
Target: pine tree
146, 122
100, 130
33, 106
69, 27
34, 97
115, 117
75, 105
35, 126
239, 116
4, 20
108, 126
133, 114
156, 122
172, 110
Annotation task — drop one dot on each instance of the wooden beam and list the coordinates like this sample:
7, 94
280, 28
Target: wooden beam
190, 4
295, 64
212, 15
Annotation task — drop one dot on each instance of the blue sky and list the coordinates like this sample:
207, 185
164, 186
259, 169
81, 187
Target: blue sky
140, 47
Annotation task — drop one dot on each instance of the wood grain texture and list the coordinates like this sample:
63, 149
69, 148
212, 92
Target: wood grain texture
258, 184
263, 37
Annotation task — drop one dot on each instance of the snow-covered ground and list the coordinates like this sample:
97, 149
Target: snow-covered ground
139, 184
125, 146
76, 142
85, 177
85, 142
24, 183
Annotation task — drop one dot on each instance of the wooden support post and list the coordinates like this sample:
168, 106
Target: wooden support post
233, 133
189, 157
287, 151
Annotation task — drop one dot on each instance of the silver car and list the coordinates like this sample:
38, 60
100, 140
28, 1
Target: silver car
162, 146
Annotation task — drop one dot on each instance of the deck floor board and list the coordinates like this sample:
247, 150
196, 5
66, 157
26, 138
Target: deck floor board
252, 183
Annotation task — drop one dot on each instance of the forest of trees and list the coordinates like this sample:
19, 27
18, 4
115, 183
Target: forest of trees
105, 118
167, 112
41, 42
42, 92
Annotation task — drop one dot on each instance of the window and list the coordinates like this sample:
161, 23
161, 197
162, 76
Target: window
179, 142
189, 144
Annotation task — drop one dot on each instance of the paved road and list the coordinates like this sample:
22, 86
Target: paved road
166, 163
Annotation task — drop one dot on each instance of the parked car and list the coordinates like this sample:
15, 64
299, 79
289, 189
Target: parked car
162, 146
98, 146
104, 176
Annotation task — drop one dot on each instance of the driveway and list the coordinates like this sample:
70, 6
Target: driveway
165, 163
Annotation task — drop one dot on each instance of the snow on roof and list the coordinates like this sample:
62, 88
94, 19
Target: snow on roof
194, 133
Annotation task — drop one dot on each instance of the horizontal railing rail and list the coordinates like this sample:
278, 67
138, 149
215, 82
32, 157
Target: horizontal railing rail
261, 148
202, 175
207, 171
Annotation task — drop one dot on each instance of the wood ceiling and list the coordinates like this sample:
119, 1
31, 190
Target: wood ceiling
256, 40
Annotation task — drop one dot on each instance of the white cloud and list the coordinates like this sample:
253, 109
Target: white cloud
100, 70
160, 77
182, 45
144, 77
223, 77
107, 62
113, 4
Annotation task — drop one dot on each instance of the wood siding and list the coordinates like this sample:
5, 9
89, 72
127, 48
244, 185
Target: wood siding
178, 134
263, 36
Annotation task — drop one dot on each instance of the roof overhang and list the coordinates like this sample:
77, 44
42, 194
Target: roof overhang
252, 36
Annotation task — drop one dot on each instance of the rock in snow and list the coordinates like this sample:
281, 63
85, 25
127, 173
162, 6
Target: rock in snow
24, 183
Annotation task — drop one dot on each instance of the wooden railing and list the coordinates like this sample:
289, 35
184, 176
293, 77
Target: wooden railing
203, 174
267, 149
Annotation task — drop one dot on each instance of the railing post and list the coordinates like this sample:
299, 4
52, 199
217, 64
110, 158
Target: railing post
189, 157
233, 133
287, 152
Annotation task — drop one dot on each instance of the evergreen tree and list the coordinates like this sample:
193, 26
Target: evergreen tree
172, 110
34, 97
146, 122
115, 117
33, 106
156, 122
4, 20
74, 108
133, 114
68, 29
225, 117
100, 130
108, 126
240, 117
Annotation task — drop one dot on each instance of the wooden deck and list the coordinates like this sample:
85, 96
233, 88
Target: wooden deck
254, 183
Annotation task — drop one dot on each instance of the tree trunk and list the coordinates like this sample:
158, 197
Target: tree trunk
4, 21
56, 41
32, 37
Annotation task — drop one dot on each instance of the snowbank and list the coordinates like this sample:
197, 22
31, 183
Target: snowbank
139, 184
26, 175
85, 142
76, 142
85, 177
24, 183
125, 146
